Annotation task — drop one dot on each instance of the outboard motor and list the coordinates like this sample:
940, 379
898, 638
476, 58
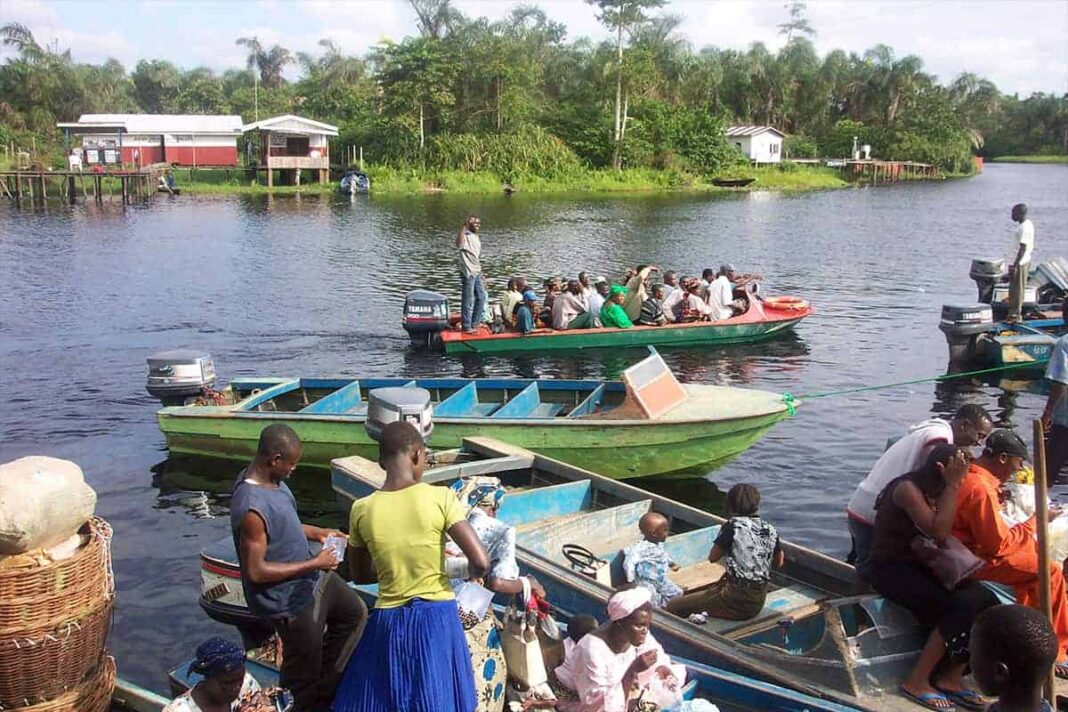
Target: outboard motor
962, 325
426, 315
987, 273
388, 405
174, 376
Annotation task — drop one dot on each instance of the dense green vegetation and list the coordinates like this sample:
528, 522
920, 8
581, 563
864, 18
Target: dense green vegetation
516, 100
1031, 159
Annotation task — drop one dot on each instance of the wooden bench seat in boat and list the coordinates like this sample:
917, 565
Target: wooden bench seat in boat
527, 404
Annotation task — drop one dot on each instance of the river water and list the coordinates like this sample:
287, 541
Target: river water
314, 286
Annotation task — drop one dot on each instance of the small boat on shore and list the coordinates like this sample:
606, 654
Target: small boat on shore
764, 319
732, 182
594, 424
354, 182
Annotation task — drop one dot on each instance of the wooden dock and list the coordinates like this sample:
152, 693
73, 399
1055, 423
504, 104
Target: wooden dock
33, 187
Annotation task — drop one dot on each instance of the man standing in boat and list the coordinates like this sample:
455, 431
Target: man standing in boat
1023, 245
316, 615
473, 289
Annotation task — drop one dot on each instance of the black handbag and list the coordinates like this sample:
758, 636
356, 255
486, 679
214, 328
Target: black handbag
949, 560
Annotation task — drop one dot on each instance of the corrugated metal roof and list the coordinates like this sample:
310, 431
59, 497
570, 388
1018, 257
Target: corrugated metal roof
162, 123
293, 124
752, 130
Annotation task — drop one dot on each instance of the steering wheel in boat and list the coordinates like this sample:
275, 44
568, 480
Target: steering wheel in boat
580, 557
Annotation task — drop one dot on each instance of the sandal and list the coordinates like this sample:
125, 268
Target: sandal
968, 699
930, 700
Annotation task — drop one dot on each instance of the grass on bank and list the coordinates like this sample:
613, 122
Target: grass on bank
393, 181
1030, 159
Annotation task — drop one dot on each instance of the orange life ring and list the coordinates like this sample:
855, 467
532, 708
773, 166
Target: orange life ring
786, 303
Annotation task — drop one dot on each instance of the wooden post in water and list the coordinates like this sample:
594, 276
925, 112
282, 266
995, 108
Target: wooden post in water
361, 159
18, 189
1045, 604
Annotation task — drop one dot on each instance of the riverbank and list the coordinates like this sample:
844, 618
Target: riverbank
637, 180
1029, 159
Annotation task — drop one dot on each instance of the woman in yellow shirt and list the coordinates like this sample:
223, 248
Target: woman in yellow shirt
413, 655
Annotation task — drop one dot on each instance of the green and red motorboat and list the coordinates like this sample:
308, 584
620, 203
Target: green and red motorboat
427, 321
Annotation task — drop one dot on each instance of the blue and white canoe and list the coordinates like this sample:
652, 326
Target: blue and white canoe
822, 632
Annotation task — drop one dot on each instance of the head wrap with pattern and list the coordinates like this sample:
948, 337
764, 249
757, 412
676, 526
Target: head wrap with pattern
479, 491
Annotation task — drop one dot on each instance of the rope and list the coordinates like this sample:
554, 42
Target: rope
790, 400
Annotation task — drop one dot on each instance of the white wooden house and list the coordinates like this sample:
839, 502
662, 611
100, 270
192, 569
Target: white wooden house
760, 144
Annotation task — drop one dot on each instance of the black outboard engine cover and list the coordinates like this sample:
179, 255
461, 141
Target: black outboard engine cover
962, 324
426, 315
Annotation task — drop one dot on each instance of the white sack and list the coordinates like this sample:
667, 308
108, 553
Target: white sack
43, 501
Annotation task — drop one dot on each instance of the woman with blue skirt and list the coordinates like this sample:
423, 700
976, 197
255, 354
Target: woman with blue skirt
413, 656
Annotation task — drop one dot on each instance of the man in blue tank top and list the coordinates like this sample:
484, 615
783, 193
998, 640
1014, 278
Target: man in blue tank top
317, 616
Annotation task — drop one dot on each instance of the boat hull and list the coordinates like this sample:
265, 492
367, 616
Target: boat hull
619, 450
758, 324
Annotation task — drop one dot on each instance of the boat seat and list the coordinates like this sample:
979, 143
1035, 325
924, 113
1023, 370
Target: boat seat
358, 409
698, 576
790, 601
484, 410
589, 405
546, 410
521, 405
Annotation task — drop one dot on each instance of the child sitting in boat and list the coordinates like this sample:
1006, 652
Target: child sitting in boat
751, 547
647, 563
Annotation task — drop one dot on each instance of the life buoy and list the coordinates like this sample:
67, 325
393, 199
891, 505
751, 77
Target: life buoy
786, 303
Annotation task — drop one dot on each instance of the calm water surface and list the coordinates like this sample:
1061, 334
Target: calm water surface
314, 286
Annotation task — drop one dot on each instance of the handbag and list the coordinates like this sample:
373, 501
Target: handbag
949, 560
522, 651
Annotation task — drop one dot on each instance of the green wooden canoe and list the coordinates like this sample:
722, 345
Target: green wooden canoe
571, 421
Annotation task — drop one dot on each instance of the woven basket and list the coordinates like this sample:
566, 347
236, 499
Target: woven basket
54, 622
39, 597
93, 695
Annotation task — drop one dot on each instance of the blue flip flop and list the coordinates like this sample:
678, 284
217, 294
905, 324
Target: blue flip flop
928, 699
968, 699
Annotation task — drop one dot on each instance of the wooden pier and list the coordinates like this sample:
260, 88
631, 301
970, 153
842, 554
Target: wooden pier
32, 187
874, 171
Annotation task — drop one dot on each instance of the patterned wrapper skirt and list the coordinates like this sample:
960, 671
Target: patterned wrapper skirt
487, 662
412, 658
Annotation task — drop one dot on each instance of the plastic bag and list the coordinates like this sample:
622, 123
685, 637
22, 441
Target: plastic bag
43, 501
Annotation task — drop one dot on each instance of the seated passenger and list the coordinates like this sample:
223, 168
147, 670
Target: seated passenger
578, 628
1010, 553
652, 313
571, 310
597, 300
552, 291
925, 500
1013, 649
636, 290
509, 299
690, 306
674, 297
613, 315
671, 282
222, 664
525, 312
647, 563
619, 660
708, 275
751, 547
720, 295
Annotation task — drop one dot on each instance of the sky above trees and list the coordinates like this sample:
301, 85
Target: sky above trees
1021, 45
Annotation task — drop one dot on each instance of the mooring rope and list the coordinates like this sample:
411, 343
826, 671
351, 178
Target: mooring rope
790, 400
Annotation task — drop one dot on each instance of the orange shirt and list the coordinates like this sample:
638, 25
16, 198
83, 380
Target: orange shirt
978, 522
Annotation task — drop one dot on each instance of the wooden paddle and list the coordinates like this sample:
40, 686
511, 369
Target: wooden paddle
1042, 541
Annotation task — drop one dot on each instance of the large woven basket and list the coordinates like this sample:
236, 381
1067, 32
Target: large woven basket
35, 597
54, 622
93, 695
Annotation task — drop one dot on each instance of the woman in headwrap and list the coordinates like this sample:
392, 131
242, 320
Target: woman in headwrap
222, 664
621, 661
483, 496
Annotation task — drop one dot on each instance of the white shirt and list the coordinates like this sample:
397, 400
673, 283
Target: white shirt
720, 296
1025, 235
906, 455
596, 302
185, 703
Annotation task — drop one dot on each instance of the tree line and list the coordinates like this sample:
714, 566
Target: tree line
517, 95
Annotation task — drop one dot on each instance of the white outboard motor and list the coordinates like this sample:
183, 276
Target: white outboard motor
388, 405
174, 376
962, 325
426, 315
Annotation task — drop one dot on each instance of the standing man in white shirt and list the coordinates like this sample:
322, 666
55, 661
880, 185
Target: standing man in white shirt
473, 294
969, 427
1023, 245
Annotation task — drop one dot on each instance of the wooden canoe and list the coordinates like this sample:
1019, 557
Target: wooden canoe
760, 321
732, 182
821, 633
